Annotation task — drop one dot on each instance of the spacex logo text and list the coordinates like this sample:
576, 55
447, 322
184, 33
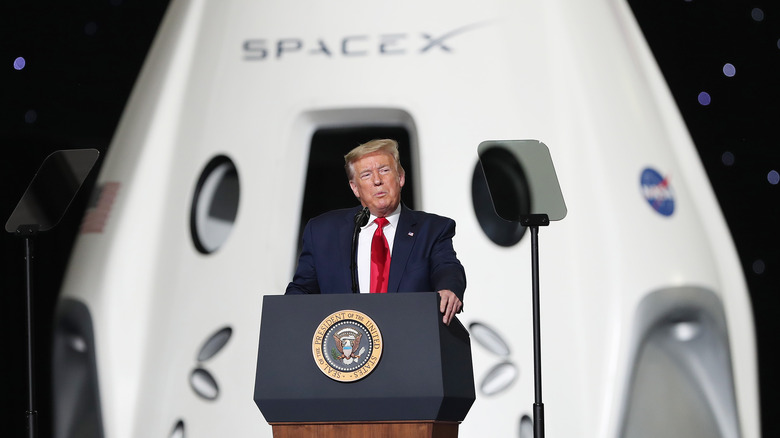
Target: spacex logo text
353, 45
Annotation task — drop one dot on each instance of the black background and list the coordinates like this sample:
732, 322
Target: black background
82, 59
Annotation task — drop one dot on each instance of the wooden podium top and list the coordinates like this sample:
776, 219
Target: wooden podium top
375, 429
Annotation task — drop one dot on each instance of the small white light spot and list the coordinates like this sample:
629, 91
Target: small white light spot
759, 266
729, 70
757, 14
773, 177
78, 344
19, 63
727, 158
704, 98
685, 331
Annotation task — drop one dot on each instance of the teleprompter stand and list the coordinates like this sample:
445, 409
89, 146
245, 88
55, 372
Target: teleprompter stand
42, 206
524, 188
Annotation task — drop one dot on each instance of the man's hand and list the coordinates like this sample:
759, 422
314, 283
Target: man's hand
450, 305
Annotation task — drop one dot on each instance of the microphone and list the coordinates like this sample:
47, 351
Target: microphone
361, 219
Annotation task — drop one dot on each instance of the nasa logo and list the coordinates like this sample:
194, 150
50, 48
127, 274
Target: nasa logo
657, 191
347, 345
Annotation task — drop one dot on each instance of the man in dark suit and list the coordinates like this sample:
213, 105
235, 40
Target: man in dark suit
417, 245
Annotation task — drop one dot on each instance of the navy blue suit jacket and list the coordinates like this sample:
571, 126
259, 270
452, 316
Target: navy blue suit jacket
423, 259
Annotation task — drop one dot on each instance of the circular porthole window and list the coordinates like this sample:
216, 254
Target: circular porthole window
214, 205
506, 171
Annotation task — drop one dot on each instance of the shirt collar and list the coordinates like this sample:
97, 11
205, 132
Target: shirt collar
392, 218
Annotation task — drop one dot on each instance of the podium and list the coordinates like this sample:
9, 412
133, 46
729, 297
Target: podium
379, 365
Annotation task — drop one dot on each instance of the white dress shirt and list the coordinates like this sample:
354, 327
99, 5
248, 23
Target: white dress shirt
364, 246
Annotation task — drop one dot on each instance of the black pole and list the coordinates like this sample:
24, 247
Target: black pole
32, 413
59, 176
538, 405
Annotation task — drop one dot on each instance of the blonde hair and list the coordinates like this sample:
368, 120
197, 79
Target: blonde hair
385, 145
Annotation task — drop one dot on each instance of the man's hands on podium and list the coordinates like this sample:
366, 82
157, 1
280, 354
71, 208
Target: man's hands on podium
450, 305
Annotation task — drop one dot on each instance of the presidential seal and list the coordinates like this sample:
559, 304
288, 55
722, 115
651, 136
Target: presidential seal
347, 345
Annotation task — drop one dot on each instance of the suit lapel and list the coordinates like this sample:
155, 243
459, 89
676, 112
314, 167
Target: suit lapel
402, 247
345, 245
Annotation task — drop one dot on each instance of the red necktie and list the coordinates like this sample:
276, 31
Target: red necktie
380, 258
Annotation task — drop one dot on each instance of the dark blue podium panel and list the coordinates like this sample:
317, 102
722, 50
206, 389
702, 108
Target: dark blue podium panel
424, 372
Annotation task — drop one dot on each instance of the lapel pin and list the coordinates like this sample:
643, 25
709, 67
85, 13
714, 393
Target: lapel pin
411, 234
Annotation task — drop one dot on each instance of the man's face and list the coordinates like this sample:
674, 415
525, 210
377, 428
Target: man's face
376, 183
